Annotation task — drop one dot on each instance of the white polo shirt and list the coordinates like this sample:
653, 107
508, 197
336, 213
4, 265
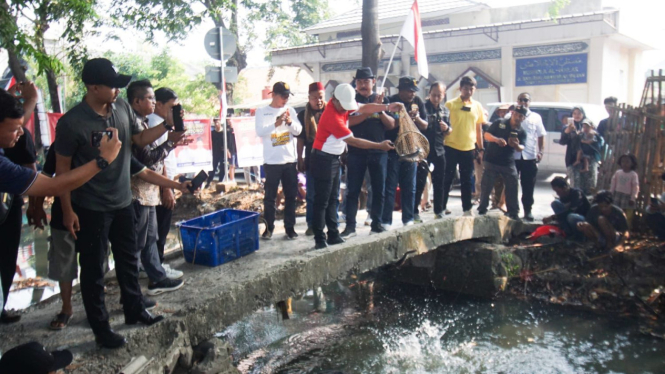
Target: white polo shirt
534, 128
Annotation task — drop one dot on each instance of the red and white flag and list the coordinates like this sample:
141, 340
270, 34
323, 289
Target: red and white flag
412, 31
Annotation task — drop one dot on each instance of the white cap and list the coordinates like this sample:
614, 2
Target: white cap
346, 96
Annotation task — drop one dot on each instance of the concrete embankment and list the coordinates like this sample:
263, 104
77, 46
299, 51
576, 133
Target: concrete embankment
214, 298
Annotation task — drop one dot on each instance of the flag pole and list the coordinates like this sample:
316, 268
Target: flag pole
385, 74
223, 100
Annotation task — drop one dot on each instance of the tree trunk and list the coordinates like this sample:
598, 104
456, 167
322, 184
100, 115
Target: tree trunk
15, 66
53, 91
369, 30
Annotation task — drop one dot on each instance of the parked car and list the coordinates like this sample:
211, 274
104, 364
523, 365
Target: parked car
554, 115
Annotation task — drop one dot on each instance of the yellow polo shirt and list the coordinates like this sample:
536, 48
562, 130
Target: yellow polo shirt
463, 136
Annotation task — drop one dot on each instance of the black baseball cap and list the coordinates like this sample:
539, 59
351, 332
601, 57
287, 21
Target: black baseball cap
34, 359
281, 88
102, 71
408, 83
364, 73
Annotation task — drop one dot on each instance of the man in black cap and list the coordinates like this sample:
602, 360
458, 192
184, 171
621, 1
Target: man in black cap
372, 127
504, 137
438, 119
398, 171
277, 124
33, 358
100, 211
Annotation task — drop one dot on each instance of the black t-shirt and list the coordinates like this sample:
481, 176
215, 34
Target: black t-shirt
218, 141
371, 129
303, 135
22, 153
616, 217
422, 112
575, 202
433, 133
503, 156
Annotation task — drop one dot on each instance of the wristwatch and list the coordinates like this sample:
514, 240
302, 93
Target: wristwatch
101, 162
167, 126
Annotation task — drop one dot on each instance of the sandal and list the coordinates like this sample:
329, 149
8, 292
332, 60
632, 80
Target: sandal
60, 322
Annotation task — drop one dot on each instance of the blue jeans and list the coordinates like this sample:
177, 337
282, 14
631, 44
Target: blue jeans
376, 163
404, 173
567, 221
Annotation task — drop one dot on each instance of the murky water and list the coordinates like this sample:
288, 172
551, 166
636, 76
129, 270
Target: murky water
394, 328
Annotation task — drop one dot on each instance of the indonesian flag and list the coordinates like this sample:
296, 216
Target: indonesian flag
412, 31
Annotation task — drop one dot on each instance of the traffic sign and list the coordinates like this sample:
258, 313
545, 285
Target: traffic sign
230, 74
211, 42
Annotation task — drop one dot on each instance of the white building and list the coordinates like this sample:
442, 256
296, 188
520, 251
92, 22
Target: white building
583, 55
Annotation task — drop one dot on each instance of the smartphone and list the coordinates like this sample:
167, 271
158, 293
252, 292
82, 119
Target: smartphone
96, 137
198, 181
513, 134
178, 123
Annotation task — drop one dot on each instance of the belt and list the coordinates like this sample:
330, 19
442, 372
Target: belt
324, 154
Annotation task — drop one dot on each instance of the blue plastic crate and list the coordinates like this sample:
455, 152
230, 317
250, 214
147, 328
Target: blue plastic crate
219, 237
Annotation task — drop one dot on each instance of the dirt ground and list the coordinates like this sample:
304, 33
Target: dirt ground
628, 281
241, 197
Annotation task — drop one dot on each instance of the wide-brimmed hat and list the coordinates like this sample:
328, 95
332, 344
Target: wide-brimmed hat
364, 73
408, 83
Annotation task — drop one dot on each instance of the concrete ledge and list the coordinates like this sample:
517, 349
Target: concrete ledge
214, 298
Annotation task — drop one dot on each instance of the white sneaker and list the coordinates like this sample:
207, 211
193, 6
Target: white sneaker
172, 273
386, 226
468, 213
368, 221
410, 223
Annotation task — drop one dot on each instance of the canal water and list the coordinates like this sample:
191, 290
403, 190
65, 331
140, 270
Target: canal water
380, 326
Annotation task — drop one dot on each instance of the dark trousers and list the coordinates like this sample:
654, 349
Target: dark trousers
325, 172
163, 227
464, 159
438, 175
509, 175
655, 221
218, 160
288, 175
357, 164
10, 238
97, 229
528, 170
404, 174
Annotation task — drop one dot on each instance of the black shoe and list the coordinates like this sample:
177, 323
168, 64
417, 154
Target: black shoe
166, 285
9, 318
335, 240
320, 245
348, 233
145, 318
267, 234
109, 339
482, 212
528, 216
513, 216
291, 233
377, 229
149, 304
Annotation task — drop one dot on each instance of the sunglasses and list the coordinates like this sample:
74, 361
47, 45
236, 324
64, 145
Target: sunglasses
524, 100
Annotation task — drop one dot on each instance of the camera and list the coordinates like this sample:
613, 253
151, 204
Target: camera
96, 138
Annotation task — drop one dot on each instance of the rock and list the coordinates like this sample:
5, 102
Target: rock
217, 358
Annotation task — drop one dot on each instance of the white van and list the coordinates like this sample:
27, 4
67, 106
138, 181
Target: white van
553, 117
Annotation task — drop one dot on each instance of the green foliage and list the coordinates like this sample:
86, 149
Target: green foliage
556, 6
289, 19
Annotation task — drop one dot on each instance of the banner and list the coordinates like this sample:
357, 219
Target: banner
197, 155
248, 145
53, 119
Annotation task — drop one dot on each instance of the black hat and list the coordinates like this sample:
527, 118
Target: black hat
408, 83
34, 359
364, 73
102, 71
281, 88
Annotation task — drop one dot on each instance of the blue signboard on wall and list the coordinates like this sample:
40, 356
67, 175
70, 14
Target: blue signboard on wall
541, 71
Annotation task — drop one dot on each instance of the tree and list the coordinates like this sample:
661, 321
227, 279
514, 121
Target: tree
369, 29
287, 25
37, 16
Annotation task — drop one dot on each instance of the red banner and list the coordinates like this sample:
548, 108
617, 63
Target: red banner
52, 121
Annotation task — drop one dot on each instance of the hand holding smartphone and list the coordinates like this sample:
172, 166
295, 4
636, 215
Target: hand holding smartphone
201, 177
178, 122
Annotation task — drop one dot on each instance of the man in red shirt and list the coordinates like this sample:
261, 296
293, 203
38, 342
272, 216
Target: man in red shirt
332, 136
